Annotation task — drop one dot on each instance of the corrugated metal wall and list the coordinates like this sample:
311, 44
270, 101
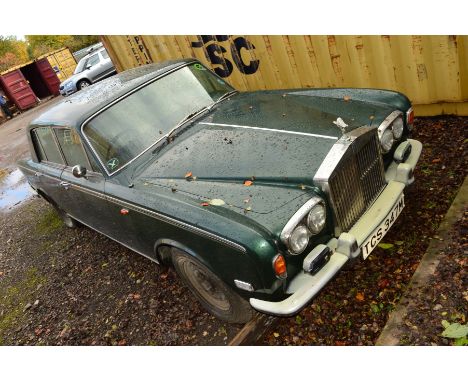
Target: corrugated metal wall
64, 61
431, 70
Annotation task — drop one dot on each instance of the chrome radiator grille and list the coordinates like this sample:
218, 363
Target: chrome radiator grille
357, 180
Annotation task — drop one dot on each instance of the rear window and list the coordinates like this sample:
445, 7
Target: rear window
104, 54
46, 146
71, 146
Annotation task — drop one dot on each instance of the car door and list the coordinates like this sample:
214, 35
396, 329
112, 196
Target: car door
93, 66
51, 163
107, 67
84, 197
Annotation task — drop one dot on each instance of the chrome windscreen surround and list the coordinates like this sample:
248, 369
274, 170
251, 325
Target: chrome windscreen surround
352, 176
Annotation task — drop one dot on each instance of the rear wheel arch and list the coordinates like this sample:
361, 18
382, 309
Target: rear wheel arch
67, 219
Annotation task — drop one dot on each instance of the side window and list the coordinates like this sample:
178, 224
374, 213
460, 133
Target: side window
104, 54
93, 60
46, 147
72, 148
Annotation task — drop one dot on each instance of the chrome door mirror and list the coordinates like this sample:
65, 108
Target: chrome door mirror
79, 171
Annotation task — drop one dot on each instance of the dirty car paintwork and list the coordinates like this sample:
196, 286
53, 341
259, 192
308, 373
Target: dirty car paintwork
276, 139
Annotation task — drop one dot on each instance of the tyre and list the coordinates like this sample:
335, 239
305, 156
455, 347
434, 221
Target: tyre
82, 84
215, 296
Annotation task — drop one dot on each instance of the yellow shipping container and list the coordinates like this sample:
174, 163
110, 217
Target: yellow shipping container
431, 70
62, 61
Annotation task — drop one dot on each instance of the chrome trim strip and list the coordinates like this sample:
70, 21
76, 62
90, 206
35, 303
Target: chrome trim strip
244, 285
388, 121
296, 218
160, 217
118, 100
267, 129
176, 223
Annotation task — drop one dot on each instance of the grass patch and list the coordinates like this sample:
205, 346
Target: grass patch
49, 222
14, 298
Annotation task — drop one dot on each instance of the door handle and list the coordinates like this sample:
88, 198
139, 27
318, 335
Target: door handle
65, 185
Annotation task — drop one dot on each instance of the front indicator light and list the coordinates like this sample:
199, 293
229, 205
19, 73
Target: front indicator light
279, 266
410, 118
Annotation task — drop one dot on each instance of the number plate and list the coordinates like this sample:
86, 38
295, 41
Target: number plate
368, 246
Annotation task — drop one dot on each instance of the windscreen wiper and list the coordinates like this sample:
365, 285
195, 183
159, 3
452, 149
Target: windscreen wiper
223, 97
185, 119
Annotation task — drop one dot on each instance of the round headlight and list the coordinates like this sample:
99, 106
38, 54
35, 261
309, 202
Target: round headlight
316, 218
386, 140
397, 128
299, 239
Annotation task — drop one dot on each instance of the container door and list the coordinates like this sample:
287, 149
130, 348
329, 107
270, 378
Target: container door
18, 90
48, 75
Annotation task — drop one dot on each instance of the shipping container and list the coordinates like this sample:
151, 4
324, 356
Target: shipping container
62, 61
17, 89
431, 70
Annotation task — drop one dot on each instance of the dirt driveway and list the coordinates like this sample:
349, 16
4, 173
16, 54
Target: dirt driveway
13, 143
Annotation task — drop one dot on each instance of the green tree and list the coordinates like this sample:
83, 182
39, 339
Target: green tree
42, 44
12, 52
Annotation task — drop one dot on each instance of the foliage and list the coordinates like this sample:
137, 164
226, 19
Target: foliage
456, 331
41, 44
15, 52
12, 52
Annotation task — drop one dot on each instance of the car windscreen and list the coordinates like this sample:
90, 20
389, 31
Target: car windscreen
132, 125
81, 65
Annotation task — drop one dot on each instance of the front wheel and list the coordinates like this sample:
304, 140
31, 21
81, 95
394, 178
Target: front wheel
82, 84
217, 298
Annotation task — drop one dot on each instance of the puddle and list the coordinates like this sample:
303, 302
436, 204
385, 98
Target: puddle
14, 188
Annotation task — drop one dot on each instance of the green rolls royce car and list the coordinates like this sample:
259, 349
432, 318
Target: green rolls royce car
256, 198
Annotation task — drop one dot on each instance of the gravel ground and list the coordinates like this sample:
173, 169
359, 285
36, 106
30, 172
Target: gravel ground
444, 297
76, 287
354, 307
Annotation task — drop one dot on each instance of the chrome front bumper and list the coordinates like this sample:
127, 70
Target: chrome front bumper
305, 286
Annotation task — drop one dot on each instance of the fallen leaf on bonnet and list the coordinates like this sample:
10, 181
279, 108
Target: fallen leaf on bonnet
217, 202
248, 183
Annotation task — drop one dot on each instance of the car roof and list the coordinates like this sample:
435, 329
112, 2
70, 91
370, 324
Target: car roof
78, 107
